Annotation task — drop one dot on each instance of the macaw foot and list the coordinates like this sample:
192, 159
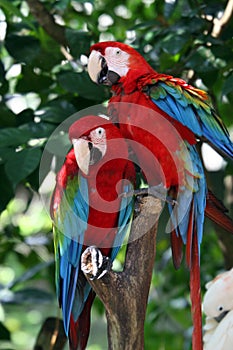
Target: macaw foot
94, 264
158, 191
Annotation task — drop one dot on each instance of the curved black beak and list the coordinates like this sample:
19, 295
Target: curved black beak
95, 154
99, 72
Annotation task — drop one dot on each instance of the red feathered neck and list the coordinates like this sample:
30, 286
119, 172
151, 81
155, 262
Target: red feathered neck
135, 80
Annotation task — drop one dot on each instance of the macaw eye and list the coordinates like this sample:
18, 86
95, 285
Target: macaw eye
118, 52
99, 132
220, 308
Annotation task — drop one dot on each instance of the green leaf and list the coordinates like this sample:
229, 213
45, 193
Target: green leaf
169, 8
46, 60
58, 145
82, 84
13, 137
57, 111
61, 5
2, 72
209, 77
4, 333
22, 48
8, 118
6, 4
5, 154
21, 164
27, 115
32, 82
174, 43
5, 189
201, 60
38, 130
79, 41
228, 85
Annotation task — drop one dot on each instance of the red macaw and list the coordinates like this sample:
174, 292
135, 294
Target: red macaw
87, 211
180, 112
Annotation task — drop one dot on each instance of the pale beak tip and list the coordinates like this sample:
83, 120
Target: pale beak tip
94, 66
82, 154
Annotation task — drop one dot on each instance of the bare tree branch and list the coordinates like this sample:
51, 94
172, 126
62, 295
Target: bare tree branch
51, 335
220, 23
125, 294
46, 20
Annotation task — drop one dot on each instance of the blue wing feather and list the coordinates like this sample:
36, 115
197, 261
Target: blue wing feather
194, 113
72, 287
124, 221
195, 190
125, 214
70, 224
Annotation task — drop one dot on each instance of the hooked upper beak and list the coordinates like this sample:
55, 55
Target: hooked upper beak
86, 154
98, 70
82, 154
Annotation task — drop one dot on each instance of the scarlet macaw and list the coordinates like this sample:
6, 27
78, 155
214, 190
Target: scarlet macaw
87, 211
190, 114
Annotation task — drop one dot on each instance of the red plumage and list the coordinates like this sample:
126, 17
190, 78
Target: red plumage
162, 117
85, 208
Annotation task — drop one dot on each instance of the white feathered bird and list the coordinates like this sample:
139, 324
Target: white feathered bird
218, 308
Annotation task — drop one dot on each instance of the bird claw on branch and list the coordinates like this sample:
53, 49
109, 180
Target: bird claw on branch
94, 264
158, 191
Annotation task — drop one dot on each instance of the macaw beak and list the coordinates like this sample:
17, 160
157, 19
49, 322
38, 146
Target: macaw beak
86, 154
82, 154
98, 70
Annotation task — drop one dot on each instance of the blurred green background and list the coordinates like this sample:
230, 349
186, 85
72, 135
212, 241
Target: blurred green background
43, 80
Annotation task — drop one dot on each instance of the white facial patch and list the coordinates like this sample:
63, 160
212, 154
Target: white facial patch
98, 138
117, 60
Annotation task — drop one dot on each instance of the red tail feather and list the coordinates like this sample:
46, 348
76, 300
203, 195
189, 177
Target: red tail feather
79, 330
195, 295
177, 249
189, 242
216, 211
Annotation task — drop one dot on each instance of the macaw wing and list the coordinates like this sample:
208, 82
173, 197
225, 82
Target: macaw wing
70, 223
124, 220
187, 218
192, 107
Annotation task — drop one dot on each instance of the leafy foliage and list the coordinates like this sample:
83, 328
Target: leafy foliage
40, 88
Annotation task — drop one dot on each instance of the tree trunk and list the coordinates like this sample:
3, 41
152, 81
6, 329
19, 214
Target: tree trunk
124, 294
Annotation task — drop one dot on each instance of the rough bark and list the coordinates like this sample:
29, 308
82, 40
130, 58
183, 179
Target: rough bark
46, 20
124, 294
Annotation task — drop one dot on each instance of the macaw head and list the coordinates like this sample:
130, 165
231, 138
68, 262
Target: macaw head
91, 137
110, 62
218, 300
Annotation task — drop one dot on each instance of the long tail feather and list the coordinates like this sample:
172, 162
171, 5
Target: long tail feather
177, 249
79, 330
189, 242
216, 211
195, 295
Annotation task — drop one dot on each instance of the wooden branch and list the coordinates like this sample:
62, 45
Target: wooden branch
124, 294
51, 335
46, 20
220, 23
